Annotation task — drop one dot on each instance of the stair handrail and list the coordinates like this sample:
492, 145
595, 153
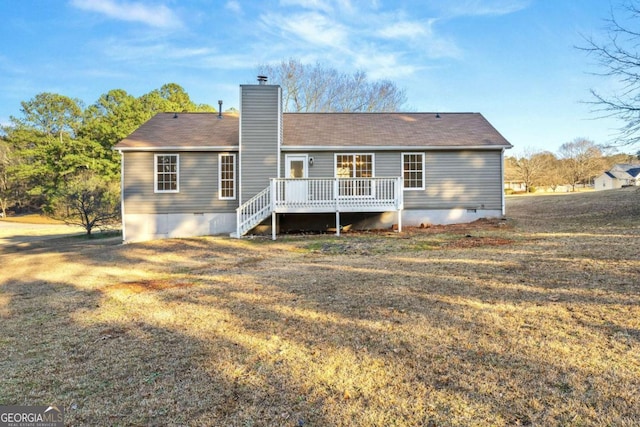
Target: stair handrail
253, 211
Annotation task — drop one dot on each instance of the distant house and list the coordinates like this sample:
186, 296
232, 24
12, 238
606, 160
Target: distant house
190, 174
515, 185
620, 175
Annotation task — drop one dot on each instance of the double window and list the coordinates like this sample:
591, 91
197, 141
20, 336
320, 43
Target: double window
167, 167
413, 171
227, 176
355, 166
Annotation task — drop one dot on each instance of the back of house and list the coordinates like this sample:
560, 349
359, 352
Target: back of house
193, 174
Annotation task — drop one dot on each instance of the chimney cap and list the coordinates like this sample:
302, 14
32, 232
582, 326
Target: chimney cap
262, 80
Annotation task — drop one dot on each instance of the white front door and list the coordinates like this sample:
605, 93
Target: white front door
296, 191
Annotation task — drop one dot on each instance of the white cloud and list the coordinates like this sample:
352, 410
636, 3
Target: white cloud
312, 27
321, 5
384, 65
483, 7
120, 50
405, 29
154, 16
234, 6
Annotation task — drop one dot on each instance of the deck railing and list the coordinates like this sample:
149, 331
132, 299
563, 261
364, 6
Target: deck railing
318, 195
336, 194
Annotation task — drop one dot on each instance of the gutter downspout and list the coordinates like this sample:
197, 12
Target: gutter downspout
502, 195
124, 230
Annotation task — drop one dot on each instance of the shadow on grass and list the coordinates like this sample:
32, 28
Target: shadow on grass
219, 331
73, 347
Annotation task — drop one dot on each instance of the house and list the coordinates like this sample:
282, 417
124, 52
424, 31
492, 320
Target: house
620, 175
191, 174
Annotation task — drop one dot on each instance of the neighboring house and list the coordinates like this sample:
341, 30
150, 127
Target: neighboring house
191, 174
515, 186
620, 175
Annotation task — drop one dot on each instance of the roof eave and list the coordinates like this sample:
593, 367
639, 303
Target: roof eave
392, 147
179, 148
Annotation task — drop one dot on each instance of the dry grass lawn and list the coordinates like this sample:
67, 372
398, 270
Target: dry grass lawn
530, 321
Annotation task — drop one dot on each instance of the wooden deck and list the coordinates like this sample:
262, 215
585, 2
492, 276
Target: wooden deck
321, 195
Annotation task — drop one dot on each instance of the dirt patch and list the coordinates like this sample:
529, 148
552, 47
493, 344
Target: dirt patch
470, 241
147, 286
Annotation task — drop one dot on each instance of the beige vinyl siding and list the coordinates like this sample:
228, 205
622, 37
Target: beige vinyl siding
260, 126
198, 183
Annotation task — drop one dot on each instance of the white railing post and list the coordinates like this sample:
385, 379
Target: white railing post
274, 196
399, 196
238, 219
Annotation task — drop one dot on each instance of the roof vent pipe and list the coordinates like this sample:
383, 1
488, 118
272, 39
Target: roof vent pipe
262, 80
220, 108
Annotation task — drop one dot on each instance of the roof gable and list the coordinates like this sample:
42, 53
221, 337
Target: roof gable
624, 170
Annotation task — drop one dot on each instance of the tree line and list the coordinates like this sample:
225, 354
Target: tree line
577, 162
58, 156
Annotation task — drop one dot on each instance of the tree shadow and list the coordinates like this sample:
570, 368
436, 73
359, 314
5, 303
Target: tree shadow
216, 333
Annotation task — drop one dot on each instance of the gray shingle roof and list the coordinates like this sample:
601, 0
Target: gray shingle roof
390, 130
322, 131
186, 131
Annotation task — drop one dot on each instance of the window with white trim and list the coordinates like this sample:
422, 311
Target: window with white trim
226, 176
167, 167
413, 171
354, 166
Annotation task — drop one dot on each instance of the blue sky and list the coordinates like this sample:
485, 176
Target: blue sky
512, 60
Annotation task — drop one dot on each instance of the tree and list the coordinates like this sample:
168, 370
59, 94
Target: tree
48, 147
314, 88
529, 168
87, 200
171, 97
582, 160
56, 138
551, 175
110, 119
6, 181
619, 58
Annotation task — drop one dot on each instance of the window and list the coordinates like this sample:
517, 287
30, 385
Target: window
227, 176
354, 166
167, 169
413, 171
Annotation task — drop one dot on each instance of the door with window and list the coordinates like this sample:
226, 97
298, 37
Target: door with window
296, 167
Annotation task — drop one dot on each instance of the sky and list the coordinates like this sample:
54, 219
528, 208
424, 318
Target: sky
514, 61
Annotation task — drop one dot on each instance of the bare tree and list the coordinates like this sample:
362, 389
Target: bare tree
315, 88
529, 168
619, 57
551, 175
582, 160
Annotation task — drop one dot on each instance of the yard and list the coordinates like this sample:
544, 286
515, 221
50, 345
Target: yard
530, 320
